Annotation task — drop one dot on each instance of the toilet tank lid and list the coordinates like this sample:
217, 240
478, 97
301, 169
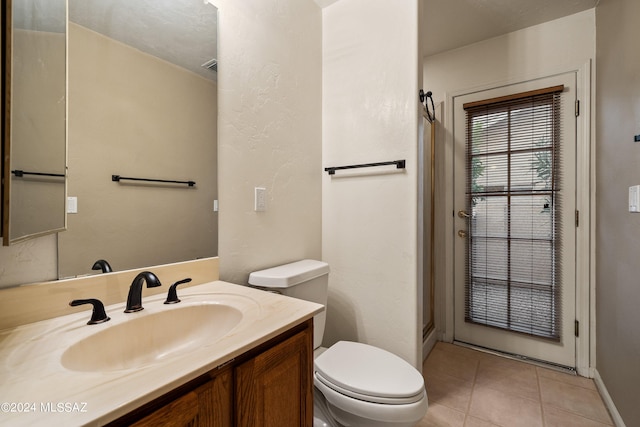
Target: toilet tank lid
287, 275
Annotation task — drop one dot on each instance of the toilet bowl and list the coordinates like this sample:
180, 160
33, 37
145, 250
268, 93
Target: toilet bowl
355, 384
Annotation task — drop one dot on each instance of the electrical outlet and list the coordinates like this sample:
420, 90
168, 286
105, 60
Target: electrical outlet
260, 199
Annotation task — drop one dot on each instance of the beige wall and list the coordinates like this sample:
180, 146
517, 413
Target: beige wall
132, 114
370, 224
618, 231
270, 79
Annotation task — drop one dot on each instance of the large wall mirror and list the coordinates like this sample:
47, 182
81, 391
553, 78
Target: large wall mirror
142, 103
34, 137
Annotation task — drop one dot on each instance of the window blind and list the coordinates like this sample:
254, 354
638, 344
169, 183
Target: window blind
513, 249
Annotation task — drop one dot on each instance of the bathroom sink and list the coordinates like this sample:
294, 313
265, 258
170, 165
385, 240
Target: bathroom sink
150, 337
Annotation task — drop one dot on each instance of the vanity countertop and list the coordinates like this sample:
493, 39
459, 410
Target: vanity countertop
38, 390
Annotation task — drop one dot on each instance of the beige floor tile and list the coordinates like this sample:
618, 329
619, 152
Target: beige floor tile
574, 399
442, 416
509, 376
448, 390
504, 409
456, 365
460, 350
476, 389
554, 417
477, 422
567, 378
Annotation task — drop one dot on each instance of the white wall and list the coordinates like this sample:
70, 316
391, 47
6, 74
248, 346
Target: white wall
370, 111
269, 100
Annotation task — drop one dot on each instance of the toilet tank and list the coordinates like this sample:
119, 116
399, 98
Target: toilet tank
306, 279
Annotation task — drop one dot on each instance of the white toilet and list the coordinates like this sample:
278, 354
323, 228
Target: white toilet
355, 384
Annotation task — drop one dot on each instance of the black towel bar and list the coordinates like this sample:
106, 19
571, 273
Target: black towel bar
118, 178
20, 173
400, 164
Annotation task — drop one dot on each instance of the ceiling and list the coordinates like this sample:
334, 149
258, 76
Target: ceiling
183, 32
450, 24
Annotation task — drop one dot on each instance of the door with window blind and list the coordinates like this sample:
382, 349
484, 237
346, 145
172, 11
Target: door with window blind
514, 201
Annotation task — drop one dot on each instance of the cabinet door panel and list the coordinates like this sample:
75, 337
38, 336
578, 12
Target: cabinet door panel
216, 401
182, 412
275, 389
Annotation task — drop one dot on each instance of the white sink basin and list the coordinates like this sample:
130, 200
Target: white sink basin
150, 337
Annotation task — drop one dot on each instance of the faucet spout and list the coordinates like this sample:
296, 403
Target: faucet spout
103, 265
134, 300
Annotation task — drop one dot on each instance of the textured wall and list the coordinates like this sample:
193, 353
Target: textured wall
618, 231
270, 82
370, 226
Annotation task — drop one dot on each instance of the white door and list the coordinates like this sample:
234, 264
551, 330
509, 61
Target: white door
514, 243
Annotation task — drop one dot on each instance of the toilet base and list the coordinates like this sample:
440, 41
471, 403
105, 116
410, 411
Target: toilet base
321, 415
327, 415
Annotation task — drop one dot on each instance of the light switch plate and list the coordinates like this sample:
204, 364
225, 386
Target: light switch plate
260, 200
72, 205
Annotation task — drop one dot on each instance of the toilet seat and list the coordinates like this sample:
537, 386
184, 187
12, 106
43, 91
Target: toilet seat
369, 374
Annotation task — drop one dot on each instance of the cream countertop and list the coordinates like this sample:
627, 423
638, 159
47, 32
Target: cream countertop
33, 378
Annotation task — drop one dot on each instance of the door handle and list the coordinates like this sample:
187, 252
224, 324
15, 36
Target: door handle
463, 214
462, 233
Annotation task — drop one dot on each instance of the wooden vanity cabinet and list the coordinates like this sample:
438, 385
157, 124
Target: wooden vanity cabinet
268, 386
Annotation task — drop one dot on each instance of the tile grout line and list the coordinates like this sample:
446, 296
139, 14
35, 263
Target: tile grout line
542, 413
473, 389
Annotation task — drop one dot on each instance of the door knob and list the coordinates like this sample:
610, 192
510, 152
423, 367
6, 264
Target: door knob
462, 233
463, 214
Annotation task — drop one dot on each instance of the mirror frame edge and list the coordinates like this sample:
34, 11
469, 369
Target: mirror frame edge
6, 117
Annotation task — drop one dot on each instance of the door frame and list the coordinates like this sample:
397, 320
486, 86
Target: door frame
585, 204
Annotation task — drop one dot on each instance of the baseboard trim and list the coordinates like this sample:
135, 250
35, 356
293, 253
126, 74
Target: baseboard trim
428, 343
608, 402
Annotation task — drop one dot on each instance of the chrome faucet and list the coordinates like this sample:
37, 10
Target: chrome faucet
134, 300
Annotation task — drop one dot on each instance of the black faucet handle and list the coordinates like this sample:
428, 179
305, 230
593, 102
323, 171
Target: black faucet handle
172, 296
98, 315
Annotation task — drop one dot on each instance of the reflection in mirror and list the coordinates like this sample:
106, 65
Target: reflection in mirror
140, 105
35, 133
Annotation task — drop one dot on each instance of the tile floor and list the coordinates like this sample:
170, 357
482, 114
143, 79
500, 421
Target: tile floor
469, 388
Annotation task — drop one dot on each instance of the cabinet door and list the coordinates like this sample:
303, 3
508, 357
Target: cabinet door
215, 401
209, 405
275, 388
182, 412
